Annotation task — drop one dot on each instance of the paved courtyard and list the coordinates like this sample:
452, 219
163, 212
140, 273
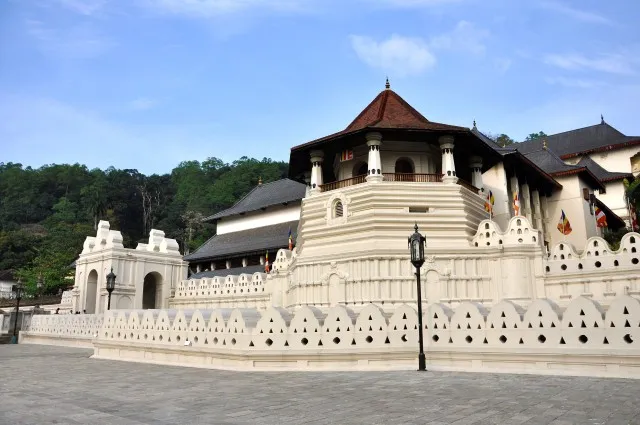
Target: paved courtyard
54, 385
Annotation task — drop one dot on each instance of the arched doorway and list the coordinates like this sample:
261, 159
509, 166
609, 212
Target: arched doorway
404, 170
360, 169
151, 291
91, 290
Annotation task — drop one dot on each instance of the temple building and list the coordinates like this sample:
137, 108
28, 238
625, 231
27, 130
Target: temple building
250, 232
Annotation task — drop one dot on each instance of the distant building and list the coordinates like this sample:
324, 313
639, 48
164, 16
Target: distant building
7, 281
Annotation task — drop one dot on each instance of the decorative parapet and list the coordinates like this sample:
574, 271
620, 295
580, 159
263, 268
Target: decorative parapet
283, 260
64, 326
221, 287
519, 232
67, 299
104, 239
159, 243
597, 256
539, 339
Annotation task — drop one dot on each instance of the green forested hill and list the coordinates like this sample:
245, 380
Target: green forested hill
46, 213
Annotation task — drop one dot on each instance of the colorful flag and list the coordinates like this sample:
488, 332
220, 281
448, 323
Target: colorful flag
488, 204
601, 218
516, 203
266, 263
290, 240
564, 226
346, 155
634, 218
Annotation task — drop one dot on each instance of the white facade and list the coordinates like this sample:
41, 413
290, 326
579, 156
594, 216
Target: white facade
252, 220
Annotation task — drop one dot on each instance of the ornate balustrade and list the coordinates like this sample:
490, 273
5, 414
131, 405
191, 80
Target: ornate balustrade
343, 183
412, 177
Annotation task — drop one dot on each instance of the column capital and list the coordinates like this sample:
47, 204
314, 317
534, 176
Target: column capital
316, 156
475, 162
373, 138
446, 142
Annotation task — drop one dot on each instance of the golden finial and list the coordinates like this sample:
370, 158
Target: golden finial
259, 181
544, 144
601, 119
387, 85
474, 124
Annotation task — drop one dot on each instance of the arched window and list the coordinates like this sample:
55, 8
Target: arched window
404, 167
338, 209
360, 169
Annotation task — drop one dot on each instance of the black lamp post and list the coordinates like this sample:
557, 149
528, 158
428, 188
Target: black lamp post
417, 243
19, 290
111, 285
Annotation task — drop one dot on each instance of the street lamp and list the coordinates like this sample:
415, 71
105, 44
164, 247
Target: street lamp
417, 243
111, 285
19, 290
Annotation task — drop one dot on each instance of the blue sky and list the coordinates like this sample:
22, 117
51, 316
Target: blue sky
146, 84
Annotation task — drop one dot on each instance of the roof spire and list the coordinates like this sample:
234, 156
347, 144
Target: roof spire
474, 124
601, 119
259, 181
544, 144
387, 85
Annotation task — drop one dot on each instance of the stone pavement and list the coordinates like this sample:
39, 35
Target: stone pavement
54, 385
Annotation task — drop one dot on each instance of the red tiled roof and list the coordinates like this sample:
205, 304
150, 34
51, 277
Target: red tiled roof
388, 111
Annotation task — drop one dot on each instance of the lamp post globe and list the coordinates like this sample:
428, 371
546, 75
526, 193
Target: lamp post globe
19, 289
417, 243
111, 285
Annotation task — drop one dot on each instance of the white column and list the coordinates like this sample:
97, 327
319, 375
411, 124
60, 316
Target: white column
307, 181
245, 261
198, 268
228, 264
515, 188
537, 210
448, 165
213, 266
525, 202
262, 260
316, 171
374, 174
475, 163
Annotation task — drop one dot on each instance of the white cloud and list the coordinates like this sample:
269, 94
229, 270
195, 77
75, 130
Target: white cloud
573, 82
577, 14
609, 63
84, 7
80, 42
464, 37
142, 104
502, 64
213, 8
398, 55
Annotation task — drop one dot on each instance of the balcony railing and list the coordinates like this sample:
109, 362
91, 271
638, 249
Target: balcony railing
343, 183
468, 185
394, 177
410, 177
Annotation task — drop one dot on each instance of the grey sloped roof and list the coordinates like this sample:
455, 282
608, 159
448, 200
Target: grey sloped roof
265, 195
551, 164
582, 140
226, 272
233, 244
601, 173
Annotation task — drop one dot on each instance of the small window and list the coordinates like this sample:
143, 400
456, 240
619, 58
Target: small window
338, 209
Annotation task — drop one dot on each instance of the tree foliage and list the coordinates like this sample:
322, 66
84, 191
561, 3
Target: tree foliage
534, 136
46, 213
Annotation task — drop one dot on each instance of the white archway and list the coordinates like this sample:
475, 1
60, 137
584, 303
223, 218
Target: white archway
91, 290
152, 291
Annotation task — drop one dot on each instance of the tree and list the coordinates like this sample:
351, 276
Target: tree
504, 140
534, 136
193, 221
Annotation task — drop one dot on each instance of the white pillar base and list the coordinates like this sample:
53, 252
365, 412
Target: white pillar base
374, 178
450, 179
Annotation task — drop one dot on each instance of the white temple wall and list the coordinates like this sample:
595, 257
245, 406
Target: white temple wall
614, 198
576, 208
252, 220
618, 160
390, 152
495, 180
